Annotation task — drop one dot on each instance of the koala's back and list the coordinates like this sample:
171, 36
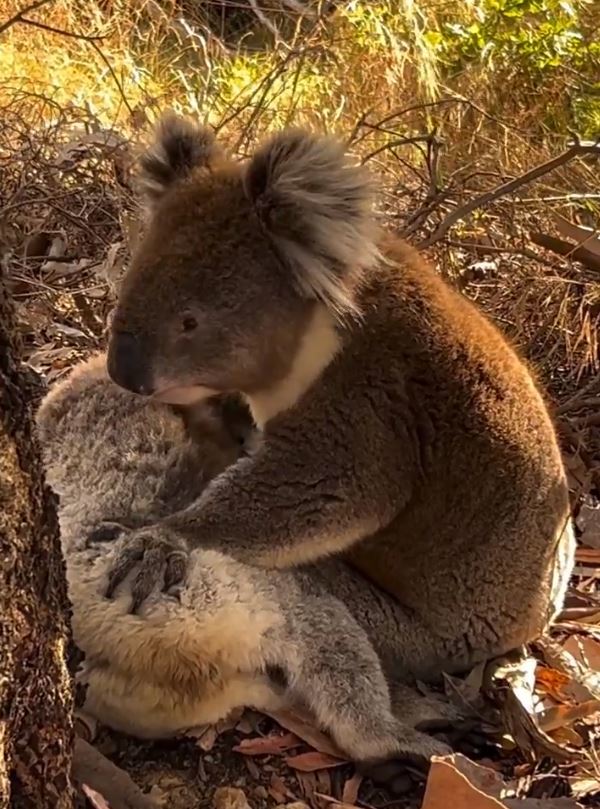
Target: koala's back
483, 548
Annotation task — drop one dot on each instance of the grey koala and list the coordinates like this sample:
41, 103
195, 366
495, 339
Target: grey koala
233, 635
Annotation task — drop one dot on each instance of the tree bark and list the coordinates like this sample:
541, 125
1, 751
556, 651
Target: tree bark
36, 734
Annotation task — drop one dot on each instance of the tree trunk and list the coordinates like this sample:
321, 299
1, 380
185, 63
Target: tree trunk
36, 734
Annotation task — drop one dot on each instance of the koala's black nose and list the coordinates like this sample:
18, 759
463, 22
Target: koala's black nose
126, 363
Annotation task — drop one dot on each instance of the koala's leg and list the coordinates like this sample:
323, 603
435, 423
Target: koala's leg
333, 668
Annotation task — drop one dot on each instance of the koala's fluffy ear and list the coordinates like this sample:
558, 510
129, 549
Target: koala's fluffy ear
179, 146
317, 209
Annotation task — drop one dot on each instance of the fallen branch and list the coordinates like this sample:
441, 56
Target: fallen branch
18, 17
23, 20
563, 248
576, 149
90, 767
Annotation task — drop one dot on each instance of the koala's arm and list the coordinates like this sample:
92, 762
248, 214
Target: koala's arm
313, 488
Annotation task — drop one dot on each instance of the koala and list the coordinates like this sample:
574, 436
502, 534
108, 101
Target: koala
233, 635
398, 428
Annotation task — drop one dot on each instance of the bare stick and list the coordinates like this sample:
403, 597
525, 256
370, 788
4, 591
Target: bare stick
563, 248
575, 150
19, 16
90, 767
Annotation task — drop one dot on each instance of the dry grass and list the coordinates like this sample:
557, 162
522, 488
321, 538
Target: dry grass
104, 69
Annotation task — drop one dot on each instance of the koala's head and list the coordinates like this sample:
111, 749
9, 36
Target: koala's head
235, 260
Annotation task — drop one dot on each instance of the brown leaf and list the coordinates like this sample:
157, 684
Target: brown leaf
313, 761
584, 649
561, 715
205, 735
95, 798
351, 787
514, 681
272, 745
585, 784
308, 784
302, 726
474, 787
588, 556
542, 803
230, 798
552, 682
588, 522
446, 781
566, 736
278, 790
334, 801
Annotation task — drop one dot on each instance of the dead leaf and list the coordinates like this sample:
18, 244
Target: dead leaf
230, 721
252, 768
95, 798
351, 787
588, 521
465, 692
308, 784
334, 801
446, 780
112, 267
278, 790
514, 681
293, 805
230, 798
313, 761
584, 785
244, 726
552, 682
584, 649
561, 715
205, 737
542, 803
272, 745
302, 726
474, 787
588, 556
585, 683
566, 736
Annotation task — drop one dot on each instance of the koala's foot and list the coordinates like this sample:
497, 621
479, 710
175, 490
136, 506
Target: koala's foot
426, 713
409, 748
405, 746
161, 556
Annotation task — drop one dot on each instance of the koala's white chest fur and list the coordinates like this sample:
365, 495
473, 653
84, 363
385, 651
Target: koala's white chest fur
319, 346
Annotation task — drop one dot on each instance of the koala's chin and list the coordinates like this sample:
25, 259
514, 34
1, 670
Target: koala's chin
184, 395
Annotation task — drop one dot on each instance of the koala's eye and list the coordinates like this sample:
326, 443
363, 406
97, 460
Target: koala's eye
189, 323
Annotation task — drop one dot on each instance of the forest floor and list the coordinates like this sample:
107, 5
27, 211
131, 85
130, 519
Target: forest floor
67, 226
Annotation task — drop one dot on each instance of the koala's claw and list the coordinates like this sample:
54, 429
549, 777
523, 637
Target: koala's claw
106, 532
159, 555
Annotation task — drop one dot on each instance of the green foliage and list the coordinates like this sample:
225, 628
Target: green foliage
533, 41
531, 35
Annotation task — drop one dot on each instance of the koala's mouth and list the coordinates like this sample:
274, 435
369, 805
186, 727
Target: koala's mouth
183, 394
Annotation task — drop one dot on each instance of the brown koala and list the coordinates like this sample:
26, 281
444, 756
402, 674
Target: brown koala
234, 635
397, 424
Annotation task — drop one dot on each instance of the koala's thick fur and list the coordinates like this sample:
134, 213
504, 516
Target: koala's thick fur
398, 425
234, 635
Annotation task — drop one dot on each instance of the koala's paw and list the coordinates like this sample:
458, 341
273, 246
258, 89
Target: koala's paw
106, 531
160, 555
